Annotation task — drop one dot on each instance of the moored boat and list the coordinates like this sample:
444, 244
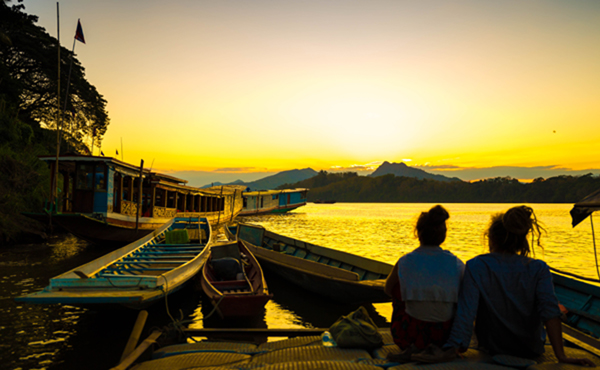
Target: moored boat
136, 275
113, 203
233, 280
580, 296
331, 273
272, 201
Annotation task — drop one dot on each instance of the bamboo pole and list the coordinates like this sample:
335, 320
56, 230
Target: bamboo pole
138, 351
135, 334
58, 115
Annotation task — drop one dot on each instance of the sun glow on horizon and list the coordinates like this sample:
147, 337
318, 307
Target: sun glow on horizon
327, 85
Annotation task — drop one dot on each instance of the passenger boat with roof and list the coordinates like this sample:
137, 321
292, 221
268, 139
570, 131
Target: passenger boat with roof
272, 201
136, 275
333, 274
109, 202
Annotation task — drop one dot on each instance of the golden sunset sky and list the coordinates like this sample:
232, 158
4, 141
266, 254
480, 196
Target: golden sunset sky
271, 85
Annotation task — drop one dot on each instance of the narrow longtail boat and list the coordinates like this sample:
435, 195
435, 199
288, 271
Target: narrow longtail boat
334, 274
233, 280
112, 203
580, 296
272, 201
136, 275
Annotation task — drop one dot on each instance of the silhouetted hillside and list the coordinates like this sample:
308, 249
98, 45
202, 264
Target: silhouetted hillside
349, 187
401, 169
274, 181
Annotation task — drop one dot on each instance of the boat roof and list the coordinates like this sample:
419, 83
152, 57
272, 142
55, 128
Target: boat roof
269, 192
582, 209
127, 167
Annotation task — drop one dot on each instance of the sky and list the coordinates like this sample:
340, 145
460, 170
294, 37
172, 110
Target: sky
242, 88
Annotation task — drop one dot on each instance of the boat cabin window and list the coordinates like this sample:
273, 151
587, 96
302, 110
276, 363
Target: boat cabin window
126, 188
84, 177
275, 197
171, 199
100, 183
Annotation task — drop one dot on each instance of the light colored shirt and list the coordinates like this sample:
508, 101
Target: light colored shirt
512, 297
429, 283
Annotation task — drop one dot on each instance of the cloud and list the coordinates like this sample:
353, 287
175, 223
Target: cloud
239, 169
370, 167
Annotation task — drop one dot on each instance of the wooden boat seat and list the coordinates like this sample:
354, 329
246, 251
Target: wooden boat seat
226, 250
230, 285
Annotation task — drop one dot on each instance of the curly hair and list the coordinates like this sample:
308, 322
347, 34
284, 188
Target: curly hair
431, 226
507, 232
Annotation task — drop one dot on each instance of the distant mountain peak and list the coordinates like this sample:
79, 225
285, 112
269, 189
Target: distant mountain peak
402, 169
273, 181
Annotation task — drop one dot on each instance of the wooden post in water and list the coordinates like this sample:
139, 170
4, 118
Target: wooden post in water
139, 205
135, 334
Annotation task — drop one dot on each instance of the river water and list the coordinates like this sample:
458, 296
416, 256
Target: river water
63, 337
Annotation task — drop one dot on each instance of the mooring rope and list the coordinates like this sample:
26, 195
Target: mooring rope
594, 242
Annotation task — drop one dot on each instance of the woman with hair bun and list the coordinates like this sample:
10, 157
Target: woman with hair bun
424, 286
509, 294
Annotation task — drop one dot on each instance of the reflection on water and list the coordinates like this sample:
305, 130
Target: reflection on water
63, 337
385, 231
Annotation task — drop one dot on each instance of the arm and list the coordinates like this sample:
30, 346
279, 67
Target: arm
554, 329
468, 303
391, 281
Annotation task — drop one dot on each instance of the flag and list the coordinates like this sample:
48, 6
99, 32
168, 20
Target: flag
117, 151
79, 33
101, 152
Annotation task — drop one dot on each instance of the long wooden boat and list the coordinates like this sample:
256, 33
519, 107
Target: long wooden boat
233, 281
582, 302
113, 203
137, 275
272, 201
331, 273
579, 295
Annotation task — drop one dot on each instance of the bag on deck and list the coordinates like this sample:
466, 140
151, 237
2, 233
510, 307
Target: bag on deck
356, 330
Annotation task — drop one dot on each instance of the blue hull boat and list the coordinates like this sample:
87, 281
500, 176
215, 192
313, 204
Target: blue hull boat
138, 274
336, 275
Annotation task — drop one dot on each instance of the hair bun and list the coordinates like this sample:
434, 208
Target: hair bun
437, 215
517, 220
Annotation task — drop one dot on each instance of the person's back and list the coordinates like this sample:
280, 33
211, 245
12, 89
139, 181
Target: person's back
510, 295
424, 285
515, 296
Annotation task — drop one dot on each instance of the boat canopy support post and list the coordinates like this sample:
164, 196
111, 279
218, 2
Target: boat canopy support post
139, 203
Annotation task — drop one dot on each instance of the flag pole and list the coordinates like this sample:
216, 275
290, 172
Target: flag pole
69, 78
58, 118
79, 37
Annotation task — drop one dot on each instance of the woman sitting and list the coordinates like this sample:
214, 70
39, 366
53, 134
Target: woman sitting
510, 294
424, 286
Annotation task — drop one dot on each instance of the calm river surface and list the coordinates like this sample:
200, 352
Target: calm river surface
63, 337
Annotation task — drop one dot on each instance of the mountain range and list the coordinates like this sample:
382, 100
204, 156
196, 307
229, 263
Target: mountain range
294, 176
271, 182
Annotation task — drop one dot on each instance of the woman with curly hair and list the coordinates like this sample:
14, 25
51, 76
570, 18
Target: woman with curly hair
509, 295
